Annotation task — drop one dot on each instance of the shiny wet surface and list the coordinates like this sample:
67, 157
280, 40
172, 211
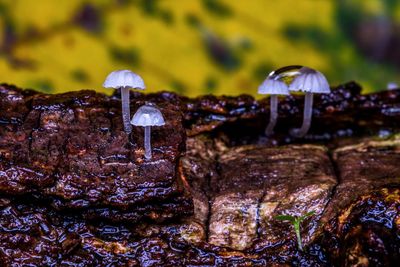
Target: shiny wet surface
238, 180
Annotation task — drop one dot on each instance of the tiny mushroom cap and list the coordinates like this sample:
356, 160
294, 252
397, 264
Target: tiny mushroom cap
148, 115
273, 87
311, 81
124, 78
392, 86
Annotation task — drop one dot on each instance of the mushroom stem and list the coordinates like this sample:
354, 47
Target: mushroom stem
308, 103
147, 142
126, 114
273, 116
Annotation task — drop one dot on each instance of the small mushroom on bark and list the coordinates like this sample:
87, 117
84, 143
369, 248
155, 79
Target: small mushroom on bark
124, 80
274, 88
311, 82
392, 86
147, 116
276, 84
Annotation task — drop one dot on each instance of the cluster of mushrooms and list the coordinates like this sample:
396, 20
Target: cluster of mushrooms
288, 79
146, 116
279, 82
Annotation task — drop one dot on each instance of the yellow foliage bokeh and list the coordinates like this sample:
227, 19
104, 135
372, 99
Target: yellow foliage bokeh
192, 47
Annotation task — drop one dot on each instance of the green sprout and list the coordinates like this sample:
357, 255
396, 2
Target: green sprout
296, 221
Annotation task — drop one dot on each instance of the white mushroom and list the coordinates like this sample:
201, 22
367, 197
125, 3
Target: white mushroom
147, 116
274, 88
311, 82
392, 86
124, 80
276, 84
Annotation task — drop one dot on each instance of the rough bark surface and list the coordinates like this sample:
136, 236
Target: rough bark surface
71, 150
77, 191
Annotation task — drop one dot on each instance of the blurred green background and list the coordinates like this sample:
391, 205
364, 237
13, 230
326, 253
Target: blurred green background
196, 46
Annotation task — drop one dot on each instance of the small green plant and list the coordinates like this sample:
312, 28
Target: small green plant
296, 221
